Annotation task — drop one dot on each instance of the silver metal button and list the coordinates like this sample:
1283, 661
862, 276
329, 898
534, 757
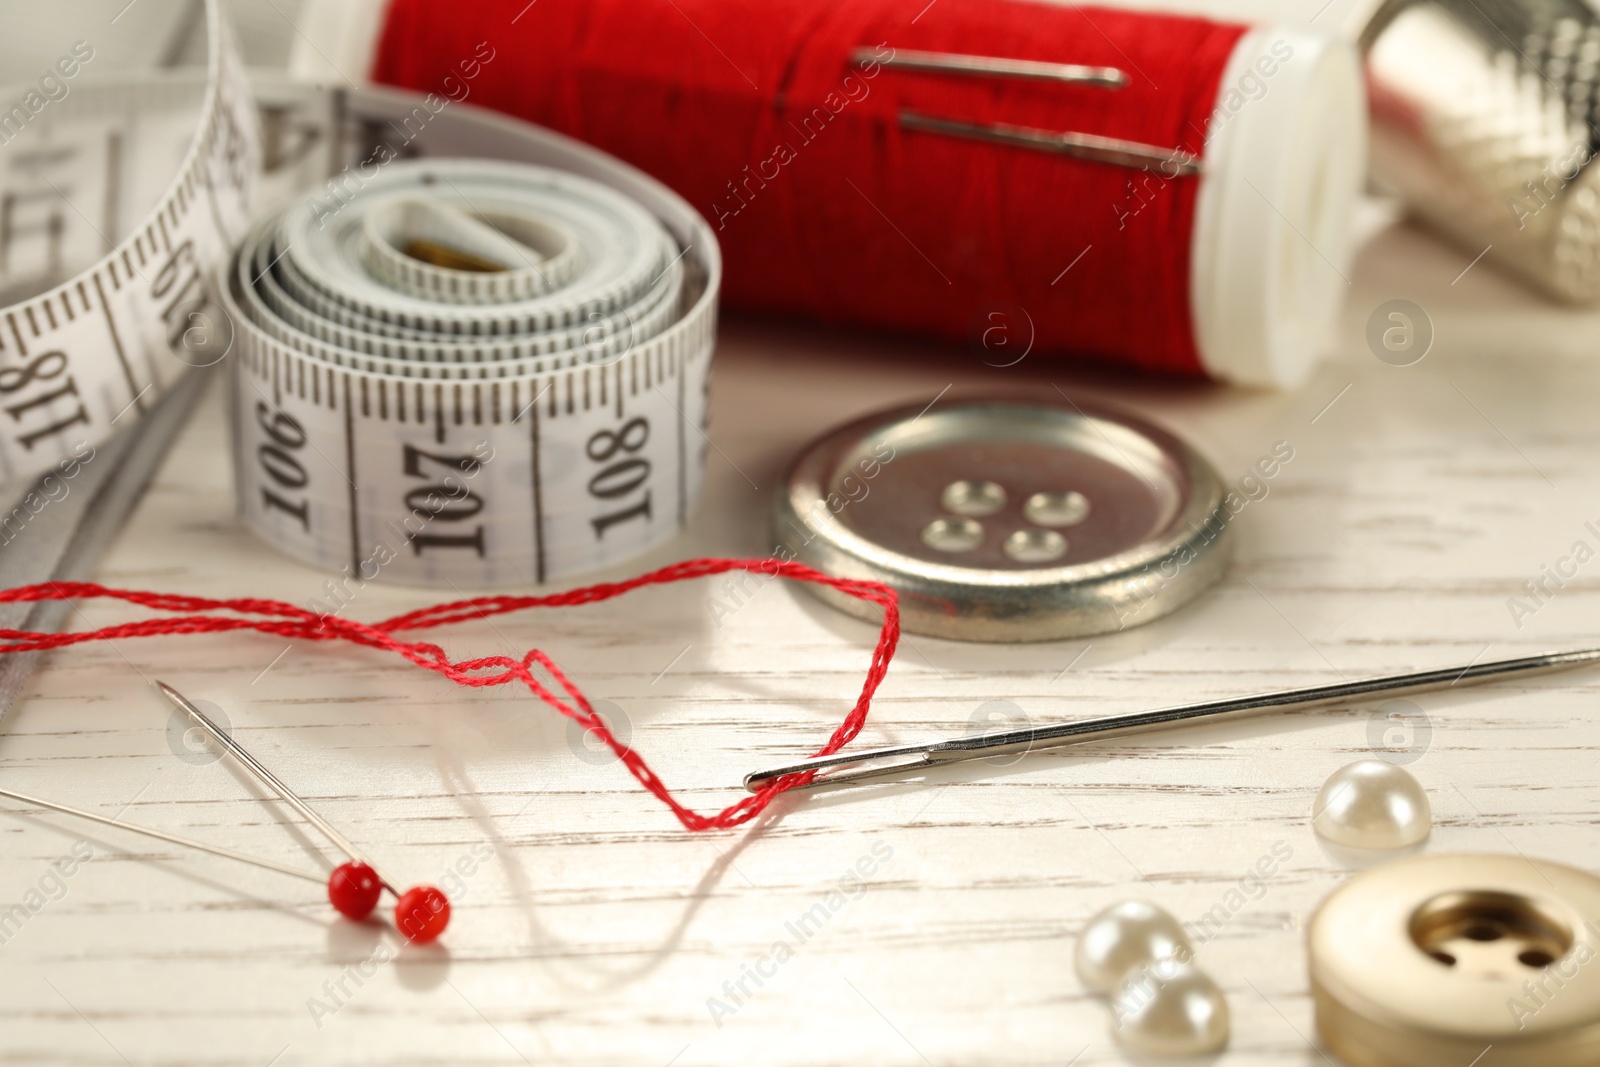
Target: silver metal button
1006, 520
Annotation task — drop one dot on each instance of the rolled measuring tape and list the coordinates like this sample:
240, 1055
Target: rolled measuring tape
442, 370
467, 372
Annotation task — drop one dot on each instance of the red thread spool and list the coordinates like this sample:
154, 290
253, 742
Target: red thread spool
827, 207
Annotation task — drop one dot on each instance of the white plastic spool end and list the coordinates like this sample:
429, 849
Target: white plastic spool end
1285, 157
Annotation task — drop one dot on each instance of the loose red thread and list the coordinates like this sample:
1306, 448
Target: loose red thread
197, 615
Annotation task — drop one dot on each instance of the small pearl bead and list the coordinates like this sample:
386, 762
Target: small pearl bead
1175, 1011
1372, 805
1125, 937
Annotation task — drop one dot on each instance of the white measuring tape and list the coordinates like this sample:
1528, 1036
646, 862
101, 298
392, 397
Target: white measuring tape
96, 348
443, 370
519, 422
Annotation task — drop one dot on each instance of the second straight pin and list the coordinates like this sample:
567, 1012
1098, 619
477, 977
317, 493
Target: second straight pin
271, 781
421, 913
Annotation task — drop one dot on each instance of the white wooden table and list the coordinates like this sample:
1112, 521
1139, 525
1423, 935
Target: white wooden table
591, 929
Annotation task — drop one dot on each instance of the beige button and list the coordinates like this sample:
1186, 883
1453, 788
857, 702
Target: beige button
1448, 960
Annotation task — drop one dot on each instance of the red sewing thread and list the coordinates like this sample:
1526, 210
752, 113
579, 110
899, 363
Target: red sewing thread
198, 615
823, 205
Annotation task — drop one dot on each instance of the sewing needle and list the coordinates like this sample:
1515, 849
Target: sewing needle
1084, 731
1088, 146
990, 66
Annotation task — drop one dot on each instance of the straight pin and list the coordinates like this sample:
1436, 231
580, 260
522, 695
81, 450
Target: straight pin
267, 778
162, 835
421, 913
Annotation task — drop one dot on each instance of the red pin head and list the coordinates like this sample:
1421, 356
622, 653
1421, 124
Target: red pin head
422, 914
353, 889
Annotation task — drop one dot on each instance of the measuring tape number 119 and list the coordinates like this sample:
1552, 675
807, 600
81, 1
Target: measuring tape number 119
477, 354
83, 355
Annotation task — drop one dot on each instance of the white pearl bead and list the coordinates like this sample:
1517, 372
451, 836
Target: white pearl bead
1372, 805
1175, 1011
1125, 937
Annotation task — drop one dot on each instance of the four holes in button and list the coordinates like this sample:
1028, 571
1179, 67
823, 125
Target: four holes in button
1035, 546
975, 498
1056, 509
953, 535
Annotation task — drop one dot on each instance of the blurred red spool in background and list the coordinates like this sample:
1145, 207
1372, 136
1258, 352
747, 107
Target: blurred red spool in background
794, 144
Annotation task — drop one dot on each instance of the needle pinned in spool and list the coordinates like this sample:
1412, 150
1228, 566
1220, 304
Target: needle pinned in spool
991, 67
1084, 731
1115, 151
1086, 146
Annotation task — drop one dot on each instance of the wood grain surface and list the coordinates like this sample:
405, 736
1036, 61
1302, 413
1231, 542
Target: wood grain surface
590, 929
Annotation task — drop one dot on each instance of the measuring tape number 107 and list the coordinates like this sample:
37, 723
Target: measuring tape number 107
471, 372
